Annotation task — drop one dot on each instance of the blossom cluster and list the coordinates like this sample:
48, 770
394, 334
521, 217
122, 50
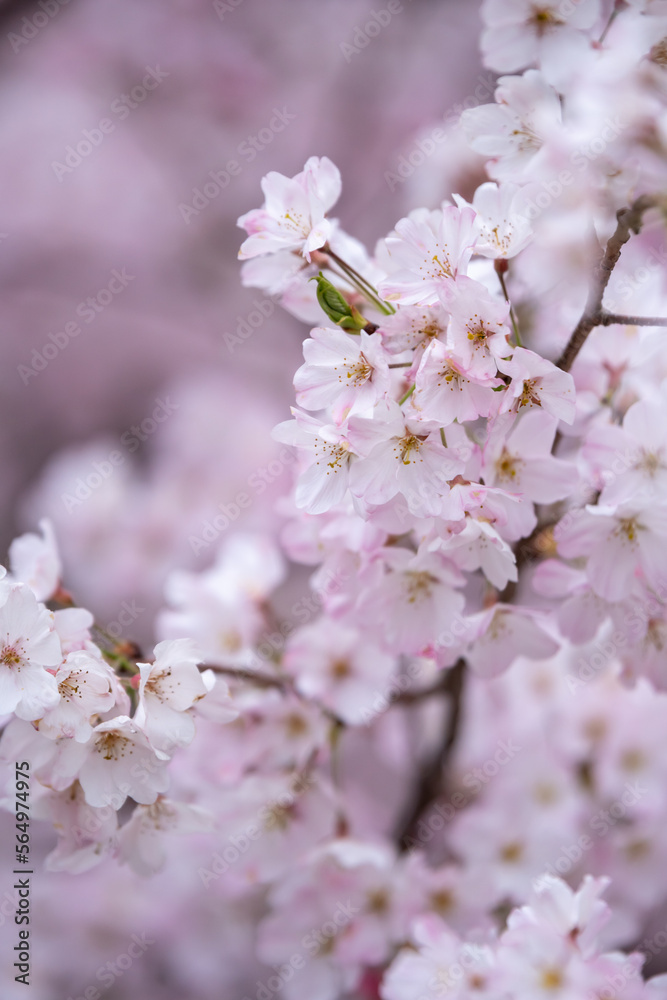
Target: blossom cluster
69, 701
437, 753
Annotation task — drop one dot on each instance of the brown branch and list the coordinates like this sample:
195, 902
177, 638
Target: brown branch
441, 686
432, 777
629, 221
251, 676
609, 319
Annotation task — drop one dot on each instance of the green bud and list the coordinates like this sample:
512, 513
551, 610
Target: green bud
335, 306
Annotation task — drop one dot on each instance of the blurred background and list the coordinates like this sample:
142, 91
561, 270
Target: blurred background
119, 283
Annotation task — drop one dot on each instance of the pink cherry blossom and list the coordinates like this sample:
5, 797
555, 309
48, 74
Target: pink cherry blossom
477, 330
339, 667
120, 761
503, 634
514, 130
348, 373
521, 461
537, 382
505, 229
410, 460
413, 327
87, 835
327, 455
447, 390
632, 461
35, 560
140, 840
293, 217
525, 32
427, 250
169, 687
619, 541
87, 688
413, 596
28, 645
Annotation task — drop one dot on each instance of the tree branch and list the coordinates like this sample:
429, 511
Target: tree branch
629, 221
609, 319
432, 776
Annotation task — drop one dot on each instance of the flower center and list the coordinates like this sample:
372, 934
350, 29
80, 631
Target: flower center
340, 669
649, 463
511, 853
507, 466
409, 448
629, 527
418, 585
10, 656
112, 746
530, 395
552, 979
360, 371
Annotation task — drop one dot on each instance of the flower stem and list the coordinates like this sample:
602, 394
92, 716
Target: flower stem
361, 283
515, 325
407, 395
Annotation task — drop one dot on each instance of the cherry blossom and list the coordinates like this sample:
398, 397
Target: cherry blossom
339, 667
533, 31
350, 372
409, 460
293, 217
515, 129
87, 688
29, 645
503, 633
447, 390
619, 541
427, 250
327, 450
168, 687
537, 382
477, 330
120, 761
35, 560
413, 327
140, 840
521, 461
504, 227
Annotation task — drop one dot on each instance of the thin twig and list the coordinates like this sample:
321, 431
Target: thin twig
629, 221
433, 775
